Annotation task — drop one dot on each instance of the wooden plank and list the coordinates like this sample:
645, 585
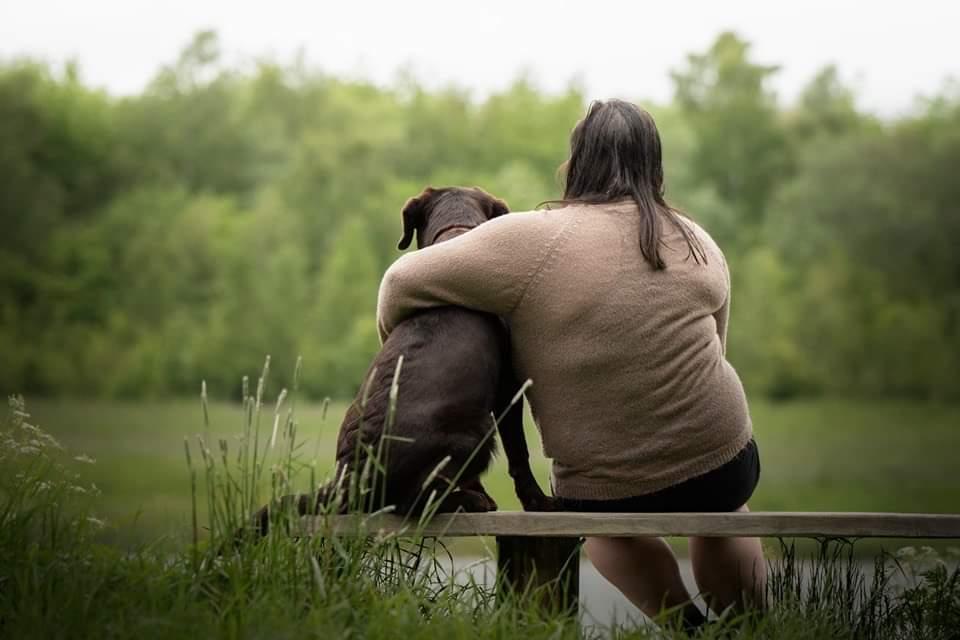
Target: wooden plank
568, 524
547, 568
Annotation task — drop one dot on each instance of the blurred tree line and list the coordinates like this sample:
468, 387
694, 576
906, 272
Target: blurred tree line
155, 240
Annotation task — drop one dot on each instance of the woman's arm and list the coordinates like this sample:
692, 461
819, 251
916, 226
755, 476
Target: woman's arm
722, 315
486, 269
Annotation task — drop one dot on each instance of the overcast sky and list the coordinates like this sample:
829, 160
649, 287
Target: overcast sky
890, 51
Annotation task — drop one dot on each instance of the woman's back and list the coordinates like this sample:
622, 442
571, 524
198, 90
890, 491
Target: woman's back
631, 390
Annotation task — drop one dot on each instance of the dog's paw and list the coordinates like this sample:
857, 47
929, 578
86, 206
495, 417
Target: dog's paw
468, 501
540, 503
479, 501
490, 504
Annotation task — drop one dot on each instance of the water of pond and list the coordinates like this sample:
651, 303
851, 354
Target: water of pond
600, 602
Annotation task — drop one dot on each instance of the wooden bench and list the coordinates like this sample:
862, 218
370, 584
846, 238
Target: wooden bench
542, 549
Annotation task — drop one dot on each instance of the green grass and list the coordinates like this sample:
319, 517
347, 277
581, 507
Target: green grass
823, 455
836, 455
57, 581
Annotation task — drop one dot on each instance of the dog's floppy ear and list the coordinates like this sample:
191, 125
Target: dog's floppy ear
498, 208
495, 206
413, 216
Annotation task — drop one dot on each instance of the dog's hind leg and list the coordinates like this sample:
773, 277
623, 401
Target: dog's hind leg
465, 500
476, 486
446, 499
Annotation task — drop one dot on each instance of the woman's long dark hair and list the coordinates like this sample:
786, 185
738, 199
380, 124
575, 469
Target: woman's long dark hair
615, 154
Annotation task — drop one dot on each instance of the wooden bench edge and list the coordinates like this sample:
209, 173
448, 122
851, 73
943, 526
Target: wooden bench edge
570, 524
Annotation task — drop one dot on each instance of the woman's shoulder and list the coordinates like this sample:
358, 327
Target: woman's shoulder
702, 235
533, 221
680, 228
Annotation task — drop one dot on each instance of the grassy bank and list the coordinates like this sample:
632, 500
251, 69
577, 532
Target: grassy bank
57, 581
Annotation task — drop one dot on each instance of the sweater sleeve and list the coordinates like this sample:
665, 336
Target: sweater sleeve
487, 269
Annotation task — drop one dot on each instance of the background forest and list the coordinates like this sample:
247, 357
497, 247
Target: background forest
154, 240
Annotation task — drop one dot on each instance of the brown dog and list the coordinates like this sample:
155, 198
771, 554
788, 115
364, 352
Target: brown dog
455, 374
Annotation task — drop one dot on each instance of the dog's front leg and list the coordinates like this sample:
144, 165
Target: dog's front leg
514, 442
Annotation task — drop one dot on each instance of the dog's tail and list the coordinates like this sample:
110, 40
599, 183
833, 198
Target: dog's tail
324, 500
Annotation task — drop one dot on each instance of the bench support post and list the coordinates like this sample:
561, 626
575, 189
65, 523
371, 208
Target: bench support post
529, 562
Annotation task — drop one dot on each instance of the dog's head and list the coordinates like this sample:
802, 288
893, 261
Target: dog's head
436, 211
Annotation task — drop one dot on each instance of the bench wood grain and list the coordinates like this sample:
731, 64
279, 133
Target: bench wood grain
568, 524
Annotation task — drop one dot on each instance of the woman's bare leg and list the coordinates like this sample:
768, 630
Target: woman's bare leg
646, 572
729, 571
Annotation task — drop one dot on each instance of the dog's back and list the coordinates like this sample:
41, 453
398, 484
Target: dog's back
448, 387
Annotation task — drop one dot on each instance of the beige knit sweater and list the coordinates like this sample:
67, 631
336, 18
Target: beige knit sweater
631, 390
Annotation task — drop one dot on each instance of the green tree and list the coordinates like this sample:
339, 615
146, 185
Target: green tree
827, 107
741, 148
155, 240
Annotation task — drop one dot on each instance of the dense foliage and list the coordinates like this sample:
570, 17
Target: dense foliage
153, 240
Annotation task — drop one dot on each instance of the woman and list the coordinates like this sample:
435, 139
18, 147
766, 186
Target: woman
618, 310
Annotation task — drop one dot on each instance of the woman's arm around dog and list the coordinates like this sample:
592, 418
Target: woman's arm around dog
487, 269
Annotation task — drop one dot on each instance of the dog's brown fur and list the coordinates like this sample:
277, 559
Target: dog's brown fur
455, 373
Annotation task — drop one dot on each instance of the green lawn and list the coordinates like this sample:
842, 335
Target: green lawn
820, 455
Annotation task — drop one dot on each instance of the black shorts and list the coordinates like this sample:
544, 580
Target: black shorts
724, 489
